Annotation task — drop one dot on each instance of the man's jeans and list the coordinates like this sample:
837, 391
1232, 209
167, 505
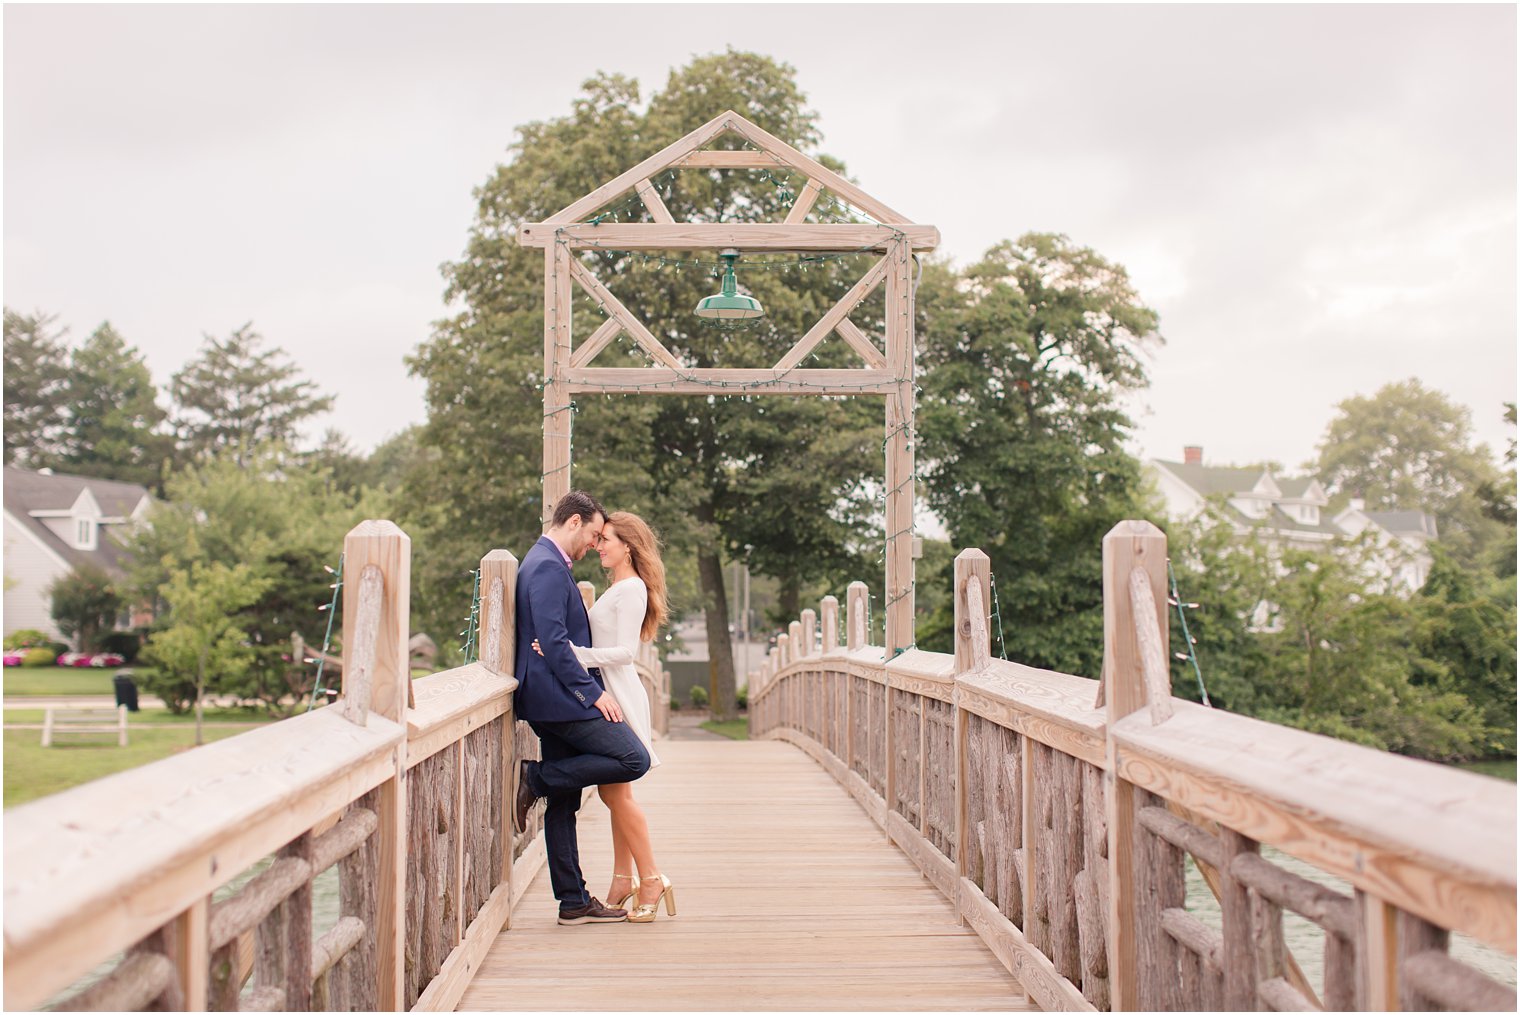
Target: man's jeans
585, 752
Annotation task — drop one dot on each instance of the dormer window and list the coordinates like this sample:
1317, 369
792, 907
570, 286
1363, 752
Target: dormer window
84, 533
1309, 513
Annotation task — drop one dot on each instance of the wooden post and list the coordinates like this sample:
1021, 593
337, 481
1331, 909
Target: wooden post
1377, 957
186, 944
383, 544
809, 633
973, 641
557, 408
900, 434
1130, 544
855, 633
1237, 960
829, 610
498, 588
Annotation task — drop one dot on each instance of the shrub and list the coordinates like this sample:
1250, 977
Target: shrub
122, 643
39, 657
675, 704
742, 698
698, 696
26, 638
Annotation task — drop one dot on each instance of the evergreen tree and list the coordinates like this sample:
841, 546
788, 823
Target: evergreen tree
238, 395
112, 418
36, 368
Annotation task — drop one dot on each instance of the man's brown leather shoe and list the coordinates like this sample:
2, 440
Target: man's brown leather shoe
525, 799
591, 912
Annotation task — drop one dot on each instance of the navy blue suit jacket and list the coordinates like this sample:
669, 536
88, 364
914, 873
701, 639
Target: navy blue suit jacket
553, 687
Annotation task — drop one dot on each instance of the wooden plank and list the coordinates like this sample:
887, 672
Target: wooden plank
662, 159
900, 477
1041, 710
558, 411
743, 236
1377, 954
600, 339
452, 704
1046, 987
715, 805
804, 203
610, 304
709, 381
187, 949
1445, 853
831, 319
653, 201
444, 990
813, 169
742, 158
861, 343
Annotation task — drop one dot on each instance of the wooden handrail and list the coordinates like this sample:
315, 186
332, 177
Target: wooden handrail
1070, 822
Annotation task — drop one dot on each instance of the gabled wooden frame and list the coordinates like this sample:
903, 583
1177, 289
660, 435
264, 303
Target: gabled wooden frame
890, 374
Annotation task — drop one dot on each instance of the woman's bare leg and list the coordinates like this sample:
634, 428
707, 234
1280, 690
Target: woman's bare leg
628, 821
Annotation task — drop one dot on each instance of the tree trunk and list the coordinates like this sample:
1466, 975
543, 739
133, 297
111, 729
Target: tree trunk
720, 650
789, 598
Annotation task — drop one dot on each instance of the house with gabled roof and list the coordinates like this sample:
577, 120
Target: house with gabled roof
55, 523
1293, 512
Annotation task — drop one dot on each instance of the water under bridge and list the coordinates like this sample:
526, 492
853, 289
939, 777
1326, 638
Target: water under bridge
906, 830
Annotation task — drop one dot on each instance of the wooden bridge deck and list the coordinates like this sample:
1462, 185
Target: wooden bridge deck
789, 898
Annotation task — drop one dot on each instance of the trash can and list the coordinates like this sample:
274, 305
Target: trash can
126, 691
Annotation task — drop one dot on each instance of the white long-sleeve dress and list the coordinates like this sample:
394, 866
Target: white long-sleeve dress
616, 618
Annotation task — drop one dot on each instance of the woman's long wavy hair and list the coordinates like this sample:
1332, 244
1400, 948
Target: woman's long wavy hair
644, 549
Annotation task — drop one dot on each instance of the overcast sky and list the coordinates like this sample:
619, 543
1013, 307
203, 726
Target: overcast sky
1317, 200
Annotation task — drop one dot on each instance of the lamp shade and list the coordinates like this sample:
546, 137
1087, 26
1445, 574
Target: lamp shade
729, 304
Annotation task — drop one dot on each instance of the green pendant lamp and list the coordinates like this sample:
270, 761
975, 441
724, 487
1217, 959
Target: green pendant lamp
729, 304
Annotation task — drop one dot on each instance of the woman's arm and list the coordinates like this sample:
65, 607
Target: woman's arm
628, 619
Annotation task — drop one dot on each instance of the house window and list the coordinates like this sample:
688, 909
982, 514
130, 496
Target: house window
85, 533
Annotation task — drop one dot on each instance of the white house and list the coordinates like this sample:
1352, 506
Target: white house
54, 523
1293, 511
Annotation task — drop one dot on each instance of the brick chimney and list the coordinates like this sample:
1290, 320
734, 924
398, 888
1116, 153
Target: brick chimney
1192, 454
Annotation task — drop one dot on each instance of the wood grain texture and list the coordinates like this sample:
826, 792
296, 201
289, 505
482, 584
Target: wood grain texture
713, 810
1445, 853
716, 236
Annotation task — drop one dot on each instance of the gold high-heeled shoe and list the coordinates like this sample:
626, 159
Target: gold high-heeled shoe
633, 894
644, 912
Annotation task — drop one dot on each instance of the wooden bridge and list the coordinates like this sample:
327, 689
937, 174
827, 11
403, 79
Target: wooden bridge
908, 830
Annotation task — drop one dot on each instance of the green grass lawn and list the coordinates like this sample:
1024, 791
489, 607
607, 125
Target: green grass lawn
1501, 769
152, 717
46, 681
33, 771
734, 729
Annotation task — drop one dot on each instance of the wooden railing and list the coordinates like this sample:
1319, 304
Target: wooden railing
1059, 814
405, 786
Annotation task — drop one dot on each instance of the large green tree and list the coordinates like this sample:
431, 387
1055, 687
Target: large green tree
1410, 447
238, 395
283, 520
36, 369
705, 471
1025, 358
112, 419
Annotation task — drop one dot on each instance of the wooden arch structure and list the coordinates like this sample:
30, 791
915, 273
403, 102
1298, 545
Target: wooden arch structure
886, 370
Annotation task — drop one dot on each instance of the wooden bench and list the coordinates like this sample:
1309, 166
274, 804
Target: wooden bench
84, 721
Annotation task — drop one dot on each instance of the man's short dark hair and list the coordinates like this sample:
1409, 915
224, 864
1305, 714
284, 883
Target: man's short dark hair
577, 502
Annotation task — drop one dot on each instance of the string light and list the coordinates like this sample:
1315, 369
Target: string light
997, 614
1191, 655
332, 609
471, 632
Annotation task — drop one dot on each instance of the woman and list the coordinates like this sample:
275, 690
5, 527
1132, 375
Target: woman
631, 610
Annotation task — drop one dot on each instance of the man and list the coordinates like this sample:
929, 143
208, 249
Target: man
579, 725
